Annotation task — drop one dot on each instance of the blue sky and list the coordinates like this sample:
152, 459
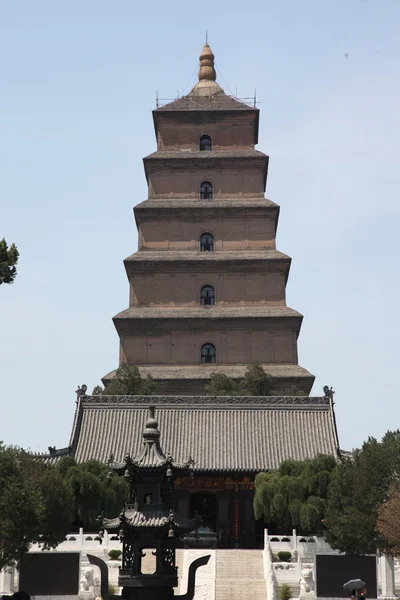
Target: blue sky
78, 83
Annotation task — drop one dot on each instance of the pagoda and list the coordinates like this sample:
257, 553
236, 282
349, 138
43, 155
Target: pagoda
207, 295
207, 285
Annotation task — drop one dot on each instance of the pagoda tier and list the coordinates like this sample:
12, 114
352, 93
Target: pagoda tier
207, 285
235, 223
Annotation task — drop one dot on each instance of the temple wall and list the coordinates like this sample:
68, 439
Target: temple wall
229, 233
184, 182
227, 133
231, 289
233, 347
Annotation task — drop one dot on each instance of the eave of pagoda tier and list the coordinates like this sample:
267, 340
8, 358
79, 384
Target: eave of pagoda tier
233, 174
205, 318
189, 380
235, 224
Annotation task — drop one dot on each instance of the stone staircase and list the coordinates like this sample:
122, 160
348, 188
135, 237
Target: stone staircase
240, 575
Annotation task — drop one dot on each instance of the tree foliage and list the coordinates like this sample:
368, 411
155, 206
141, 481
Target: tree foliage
388, 523
35, 504
8, 261
359, 487
128, 382
285, 592
93, 492
295, 495
256, 382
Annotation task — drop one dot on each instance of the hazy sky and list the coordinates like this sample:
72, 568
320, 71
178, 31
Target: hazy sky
78, 84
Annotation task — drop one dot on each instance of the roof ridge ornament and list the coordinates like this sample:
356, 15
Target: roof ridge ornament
206, 70
328, 392
151, 433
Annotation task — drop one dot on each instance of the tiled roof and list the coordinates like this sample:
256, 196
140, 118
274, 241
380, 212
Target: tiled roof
219, 101
221, 434
51, 458
155, 518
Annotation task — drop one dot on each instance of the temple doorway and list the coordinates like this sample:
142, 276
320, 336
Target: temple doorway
205, 506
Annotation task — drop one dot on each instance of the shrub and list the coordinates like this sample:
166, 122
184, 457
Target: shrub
285, 591
111, 588
115, 554
284, 556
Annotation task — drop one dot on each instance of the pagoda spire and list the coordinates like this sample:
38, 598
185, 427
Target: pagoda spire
151, 455
206, 70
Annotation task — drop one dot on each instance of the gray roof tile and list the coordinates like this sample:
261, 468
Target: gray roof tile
219, 101
221, 434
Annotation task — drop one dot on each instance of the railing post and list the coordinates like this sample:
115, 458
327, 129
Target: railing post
105, 539
80, 538
294, 540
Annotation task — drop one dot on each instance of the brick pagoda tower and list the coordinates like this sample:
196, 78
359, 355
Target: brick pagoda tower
207, 285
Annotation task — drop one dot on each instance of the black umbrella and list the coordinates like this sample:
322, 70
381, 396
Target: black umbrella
353, 584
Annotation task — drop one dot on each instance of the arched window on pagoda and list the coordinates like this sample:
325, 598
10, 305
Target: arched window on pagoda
205, 142
206, 242
206, 191
207, 295
208, 354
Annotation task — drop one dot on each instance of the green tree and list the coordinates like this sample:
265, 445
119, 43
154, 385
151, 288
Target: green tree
93, 491
256, 382
222, 385
285, 592
128, 382
388, 523
295, 495
35, 504
8, 260
359, 487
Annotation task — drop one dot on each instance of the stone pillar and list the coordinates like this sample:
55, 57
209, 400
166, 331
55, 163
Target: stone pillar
105, 539
80, 538
7, 580
386, 564
294, 541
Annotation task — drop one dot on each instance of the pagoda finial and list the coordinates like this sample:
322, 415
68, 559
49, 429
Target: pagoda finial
151, 432
207, 71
